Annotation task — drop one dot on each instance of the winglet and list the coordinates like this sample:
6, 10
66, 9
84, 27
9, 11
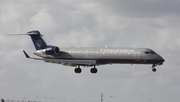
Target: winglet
27, 56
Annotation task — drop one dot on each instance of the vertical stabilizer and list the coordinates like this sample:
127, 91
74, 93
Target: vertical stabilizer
37, 40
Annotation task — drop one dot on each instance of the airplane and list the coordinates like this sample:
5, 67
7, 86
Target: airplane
91, 56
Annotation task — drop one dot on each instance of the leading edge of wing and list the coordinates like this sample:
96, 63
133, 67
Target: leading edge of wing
27, 56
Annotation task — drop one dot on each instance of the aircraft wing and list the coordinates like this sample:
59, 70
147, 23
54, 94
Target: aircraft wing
73, 63
27, 56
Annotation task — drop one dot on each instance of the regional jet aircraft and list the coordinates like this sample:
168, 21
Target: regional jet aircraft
91, 56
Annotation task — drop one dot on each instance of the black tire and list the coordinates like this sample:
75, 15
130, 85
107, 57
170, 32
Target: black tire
93, 70
77, 70
154, 69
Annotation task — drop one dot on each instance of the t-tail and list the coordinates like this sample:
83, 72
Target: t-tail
37, 40
40, 44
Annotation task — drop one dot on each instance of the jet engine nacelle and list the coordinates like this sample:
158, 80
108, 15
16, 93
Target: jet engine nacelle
51, 50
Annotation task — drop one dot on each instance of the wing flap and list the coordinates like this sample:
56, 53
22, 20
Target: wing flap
72, 62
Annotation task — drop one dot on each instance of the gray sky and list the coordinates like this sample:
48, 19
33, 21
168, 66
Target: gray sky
153, 24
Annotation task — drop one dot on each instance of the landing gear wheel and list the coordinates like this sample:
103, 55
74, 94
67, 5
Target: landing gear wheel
77, 70
93, 70
154, 69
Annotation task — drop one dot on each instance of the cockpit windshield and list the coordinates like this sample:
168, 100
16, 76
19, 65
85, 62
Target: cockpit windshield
151, 52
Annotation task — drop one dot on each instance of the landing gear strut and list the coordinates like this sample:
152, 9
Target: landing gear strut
94, 70
77, 70
153, 67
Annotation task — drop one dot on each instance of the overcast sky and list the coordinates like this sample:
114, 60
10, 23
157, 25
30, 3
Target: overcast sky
152, 24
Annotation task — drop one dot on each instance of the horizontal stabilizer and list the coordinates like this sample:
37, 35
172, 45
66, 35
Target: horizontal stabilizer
34, 32
30, 33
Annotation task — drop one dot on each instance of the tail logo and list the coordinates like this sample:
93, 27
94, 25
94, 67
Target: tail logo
38, 42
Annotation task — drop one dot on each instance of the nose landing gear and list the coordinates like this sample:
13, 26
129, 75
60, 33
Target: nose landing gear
153, 67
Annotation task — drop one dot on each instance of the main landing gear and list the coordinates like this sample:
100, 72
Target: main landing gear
94, 70
79, 70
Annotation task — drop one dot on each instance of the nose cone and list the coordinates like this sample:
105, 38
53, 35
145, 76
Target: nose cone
161, 59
